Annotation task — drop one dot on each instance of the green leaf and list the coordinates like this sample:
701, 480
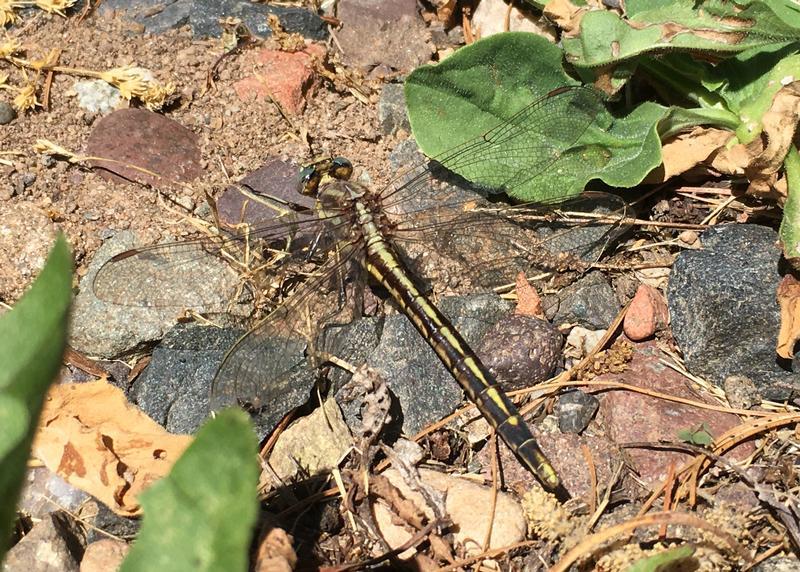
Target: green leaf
699, 436
660, 561
651, 27
494, 80
748, 84
200, 516
33, 336
790, 225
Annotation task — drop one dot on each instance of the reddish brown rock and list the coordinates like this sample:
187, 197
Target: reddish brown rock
567, 453
630, 417
383, 37
285, 76
646, 315
144, 147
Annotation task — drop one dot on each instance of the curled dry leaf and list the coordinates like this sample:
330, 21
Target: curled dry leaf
95, 440
789, 301
566, 15
688, 150
275, 552
761, 159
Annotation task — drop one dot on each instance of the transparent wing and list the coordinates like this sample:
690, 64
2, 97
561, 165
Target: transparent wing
540, 138
177, 274
267, 366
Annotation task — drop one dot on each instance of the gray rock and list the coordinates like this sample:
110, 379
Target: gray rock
392, 113
97, 96
113, 329
174, 389
7, 113
723, 310
105, 522
575, 410
44, 490
424, 388
203, 16
590, 302
778, 564
55, 544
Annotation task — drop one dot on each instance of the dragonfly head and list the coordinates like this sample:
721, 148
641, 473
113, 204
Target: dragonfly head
313, 175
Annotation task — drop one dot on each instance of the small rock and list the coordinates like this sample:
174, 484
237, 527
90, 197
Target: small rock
104, 555
467, 506
150, 142
689, 237
392, 113
646, 315
44, 489
275, 552
284, 76
311, 445
581, 342
97, 96
104, 522
741, 392
778, 564
249, 200
567, 454
174, 389
521, 351
388, 35
723, 309
7, 113
590, 302
55, 544
575, 410
26, 236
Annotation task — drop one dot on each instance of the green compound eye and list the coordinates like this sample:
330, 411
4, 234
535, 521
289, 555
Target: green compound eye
310, 178
341, 168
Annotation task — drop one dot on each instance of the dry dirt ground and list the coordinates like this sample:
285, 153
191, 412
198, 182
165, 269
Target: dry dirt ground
38, 195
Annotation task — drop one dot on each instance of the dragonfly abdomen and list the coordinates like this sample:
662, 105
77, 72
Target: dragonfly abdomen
480, 385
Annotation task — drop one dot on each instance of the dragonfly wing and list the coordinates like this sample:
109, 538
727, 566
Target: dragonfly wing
482, 245
267, 370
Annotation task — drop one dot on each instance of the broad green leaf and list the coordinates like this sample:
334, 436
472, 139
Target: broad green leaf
748, 83
489, 82
657, 26
790, 225
199, 518
663, 560
33, 336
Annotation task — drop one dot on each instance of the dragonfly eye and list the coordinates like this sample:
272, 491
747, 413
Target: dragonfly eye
341, 168
310, 178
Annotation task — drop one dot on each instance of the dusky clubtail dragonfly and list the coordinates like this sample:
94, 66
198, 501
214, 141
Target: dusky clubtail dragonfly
366, 230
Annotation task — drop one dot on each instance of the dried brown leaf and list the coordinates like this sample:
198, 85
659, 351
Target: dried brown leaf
788, 295
760, 160
275, 552
688, 150
98, 442
566, 15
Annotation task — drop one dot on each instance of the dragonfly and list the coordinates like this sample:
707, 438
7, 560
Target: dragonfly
354, 232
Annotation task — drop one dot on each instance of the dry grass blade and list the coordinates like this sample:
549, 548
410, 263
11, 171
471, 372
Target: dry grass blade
589, 544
